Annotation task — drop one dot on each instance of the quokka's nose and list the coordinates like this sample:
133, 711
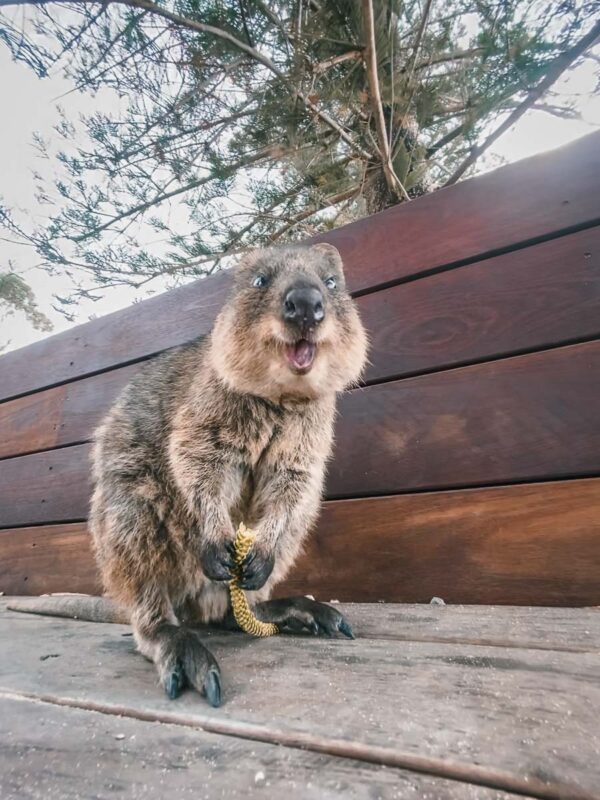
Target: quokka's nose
303, 306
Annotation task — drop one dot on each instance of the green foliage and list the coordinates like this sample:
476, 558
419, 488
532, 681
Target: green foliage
225, 144
15, 295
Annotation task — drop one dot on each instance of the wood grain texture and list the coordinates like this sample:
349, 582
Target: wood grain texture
47, 558
518, 545
536, 297
62, 415
517, 419
522, 201
59, 753
526, 717
45, 487
527, 299
133, 333
535, 544
531, 417
564, 629
534, 198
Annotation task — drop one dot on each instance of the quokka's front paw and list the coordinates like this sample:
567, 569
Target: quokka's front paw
256, 568
217, 562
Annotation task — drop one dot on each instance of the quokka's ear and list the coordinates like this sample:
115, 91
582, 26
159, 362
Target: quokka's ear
331, 253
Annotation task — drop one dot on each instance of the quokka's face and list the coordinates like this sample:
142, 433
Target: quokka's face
290, 328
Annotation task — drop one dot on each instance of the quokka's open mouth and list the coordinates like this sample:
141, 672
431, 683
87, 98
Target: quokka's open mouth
301, 355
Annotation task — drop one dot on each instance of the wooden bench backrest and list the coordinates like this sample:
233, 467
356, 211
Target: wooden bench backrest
468, 466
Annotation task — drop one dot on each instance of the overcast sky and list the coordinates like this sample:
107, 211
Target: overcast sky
28, 105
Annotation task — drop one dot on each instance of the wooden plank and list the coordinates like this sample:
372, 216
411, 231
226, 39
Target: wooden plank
536, 544
526, 200
518, 627
65, 414
571, 630
130, 334
47, 558
474, 218
57, 753
531, 417
537, 297
53, 486
526, 718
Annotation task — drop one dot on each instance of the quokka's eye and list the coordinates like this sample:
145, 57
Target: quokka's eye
260, 281
330, 283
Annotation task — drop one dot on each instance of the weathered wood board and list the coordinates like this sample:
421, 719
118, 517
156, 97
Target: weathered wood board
521, 717
49, 752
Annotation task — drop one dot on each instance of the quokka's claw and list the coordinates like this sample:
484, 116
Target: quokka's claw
345, 628
212, 688
175, 682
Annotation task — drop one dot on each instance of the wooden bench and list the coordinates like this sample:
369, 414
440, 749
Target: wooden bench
467, 467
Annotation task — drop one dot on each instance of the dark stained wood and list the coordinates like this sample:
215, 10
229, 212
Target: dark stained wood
62, 415
533, 545
56, 752
536, 297
47, 558
45, 487
517, 419
536, 544
514, 204
133, 333
532, 199
506, 718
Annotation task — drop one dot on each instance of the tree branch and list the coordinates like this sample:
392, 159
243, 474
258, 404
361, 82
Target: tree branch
309, 212
273, 151
445, 57
449, 137
323, 66
202, 27
392, 180
556, 69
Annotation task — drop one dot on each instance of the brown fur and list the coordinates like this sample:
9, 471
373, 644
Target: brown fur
210, 434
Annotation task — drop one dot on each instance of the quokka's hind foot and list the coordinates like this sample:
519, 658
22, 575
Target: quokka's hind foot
183, 661
303, 615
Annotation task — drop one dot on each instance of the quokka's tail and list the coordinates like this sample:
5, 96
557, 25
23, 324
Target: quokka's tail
83, 607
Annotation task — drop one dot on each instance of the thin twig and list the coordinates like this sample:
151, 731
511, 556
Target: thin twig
323, 66
309, 212
270, 152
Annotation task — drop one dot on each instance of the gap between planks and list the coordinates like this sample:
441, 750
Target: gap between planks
372, 754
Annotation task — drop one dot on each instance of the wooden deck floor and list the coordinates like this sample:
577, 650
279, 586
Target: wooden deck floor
462, 703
